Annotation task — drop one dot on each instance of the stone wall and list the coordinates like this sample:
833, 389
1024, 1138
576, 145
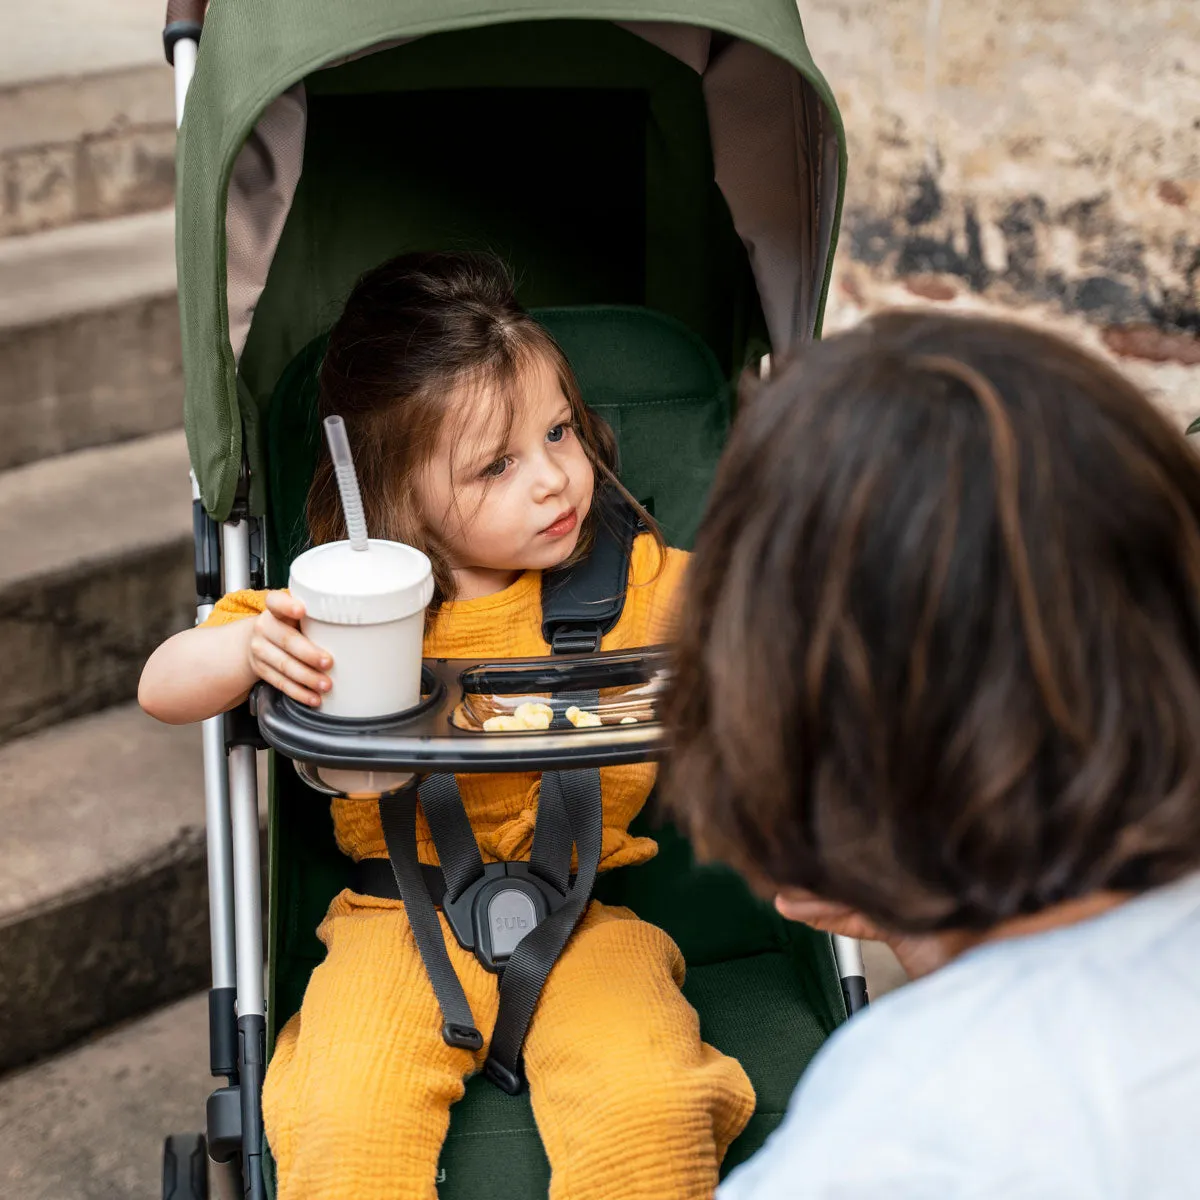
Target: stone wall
1040, 156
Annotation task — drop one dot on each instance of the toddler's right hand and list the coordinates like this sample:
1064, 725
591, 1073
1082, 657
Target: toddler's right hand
282, 656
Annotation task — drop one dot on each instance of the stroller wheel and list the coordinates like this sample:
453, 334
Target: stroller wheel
185, 1167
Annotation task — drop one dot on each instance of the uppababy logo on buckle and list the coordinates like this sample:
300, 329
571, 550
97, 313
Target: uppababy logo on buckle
511, 915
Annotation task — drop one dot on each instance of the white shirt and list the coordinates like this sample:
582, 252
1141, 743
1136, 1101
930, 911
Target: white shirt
1059, 1066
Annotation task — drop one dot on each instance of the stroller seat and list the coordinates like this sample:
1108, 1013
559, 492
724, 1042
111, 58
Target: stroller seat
767, 991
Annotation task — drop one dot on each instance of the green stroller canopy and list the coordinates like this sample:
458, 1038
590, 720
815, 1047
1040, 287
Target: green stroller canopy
318, 133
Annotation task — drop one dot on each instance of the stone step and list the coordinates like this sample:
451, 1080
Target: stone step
96, 571
103, 886
89, 1124
86, 149
55, 39
86, 113
89, 336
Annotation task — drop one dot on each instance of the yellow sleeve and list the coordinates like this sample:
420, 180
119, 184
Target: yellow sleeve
235, 606
655, 583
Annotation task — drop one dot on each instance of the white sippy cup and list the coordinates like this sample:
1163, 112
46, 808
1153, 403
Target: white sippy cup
364, 602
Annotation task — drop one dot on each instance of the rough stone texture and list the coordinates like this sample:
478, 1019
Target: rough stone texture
79, 149
97, 571
89, 1125
1043, 155
103, 877
63, 38
90, 378
77, 641
89, 336
1174, 384
109, 175
124, 945
103, 908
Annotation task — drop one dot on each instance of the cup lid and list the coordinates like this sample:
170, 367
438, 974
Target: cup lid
344, 586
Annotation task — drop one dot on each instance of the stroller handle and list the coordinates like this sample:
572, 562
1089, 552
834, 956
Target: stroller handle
185, 10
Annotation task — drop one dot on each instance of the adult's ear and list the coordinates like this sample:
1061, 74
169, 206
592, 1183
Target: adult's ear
799, 904
918, 955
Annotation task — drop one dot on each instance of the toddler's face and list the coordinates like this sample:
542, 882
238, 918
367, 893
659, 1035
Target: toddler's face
503, 509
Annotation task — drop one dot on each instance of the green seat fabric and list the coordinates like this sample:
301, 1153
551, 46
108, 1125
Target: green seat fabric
767, 991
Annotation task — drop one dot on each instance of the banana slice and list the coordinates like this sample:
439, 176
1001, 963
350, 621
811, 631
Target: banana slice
534, 715
582, 719
503, 724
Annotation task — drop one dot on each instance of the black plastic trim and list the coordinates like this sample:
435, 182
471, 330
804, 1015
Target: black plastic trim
241, 729
223, 1118
582, 672
503, 1078
854, 992
433, 697
176, 32
206, 538
222, 1032
252, 1066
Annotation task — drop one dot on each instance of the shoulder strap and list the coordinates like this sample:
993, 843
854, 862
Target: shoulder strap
582, 602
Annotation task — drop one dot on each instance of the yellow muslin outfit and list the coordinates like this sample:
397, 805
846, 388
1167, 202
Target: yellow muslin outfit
628, 1100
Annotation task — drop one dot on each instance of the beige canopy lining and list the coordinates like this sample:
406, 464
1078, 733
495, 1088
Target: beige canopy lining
775, 158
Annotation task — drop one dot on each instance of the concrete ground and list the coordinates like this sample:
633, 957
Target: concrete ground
89, 1125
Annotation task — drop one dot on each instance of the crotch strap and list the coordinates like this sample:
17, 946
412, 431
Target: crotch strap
516, 918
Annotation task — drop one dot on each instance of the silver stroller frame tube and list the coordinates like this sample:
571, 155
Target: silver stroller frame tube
851, 971
243, 808
237, 1012
220, 844
248, 913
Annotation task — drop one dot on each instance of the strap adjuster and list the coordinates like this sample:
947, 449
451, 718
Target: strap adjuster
463, 1037
576, 639
506, 1080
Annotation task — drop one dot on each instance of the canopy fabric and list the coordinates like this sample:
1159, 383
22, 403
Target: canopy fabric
776, 135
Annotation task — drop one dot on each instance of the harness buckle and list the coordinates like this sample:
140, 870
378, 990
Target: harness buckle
495, 912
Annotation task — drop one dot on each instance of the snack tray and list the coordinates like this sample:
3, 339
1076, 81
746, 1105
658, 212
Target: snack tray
444, 732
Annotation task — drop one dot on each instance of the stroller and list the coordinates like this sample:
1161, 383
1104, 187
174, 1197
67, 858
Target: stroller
668, 184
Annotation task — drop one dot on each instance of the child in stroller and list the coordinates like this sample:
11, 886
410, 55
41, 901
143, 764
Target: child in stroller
474, 445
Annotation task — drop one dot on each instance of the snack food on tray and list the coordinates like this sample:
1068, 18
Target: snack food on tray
530, 715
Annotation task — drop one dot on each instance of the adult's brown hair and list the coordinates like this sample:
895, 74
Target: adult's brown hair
940, 646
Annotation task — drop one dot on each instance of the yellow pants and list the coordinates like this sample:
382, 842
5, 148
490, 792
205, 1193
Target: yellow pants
629, 1101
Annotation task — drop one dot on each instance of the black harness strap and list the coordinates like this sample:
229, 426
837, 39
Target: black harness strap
398, 813
458, 851
582, 602
577, 794
553, 836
